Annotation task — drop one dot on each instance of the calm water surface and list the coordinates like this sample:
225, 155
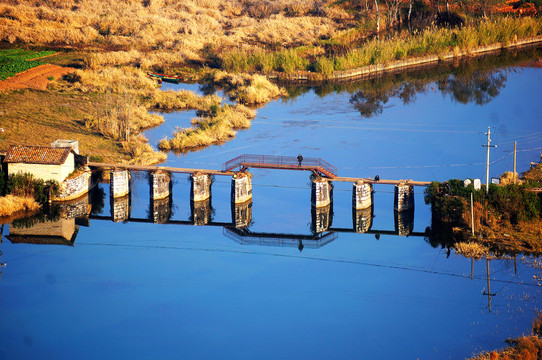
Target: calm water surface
142, 290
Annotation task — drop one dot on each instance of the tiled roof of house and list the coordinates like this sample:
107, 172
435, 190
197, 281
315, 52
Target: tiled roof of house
37, 155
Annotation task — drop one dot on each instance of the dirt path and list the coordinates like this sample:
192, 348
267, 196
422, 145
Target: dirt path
35, 78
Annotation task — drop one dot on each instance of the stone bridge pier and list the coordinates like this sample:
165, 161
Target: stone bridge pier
160, 186
120, 183
362, 195
403, 197
321, 192
241, 188
200, 187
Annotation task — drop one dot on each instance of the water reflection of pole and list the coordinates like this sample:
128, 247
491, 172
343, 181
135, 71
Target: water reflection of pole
489, 294
471, 268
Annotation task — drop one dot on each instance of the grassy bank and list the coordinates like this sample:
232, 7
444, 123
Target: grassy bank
431, 41
522, 348
507, 219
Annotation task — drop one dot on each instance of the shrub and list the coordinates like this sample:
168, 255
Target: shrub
25, 185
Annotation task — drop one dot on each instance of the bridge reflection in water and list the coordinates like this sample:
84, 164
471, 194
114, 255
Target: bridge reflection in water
61, 224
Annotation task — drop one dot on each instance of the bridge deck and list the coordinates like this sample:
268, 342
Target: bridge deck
260, 165
164, 168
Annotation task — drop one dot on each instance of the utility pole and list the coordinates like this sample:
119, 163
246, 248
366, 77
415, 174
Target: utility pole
487, 162
515, 147
472, 214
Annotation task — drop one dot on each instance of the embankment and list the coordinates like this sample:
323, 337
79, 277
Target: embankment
375, 70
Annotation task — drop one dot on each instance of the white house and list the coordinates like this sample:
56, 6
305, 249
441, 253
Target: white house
43, 162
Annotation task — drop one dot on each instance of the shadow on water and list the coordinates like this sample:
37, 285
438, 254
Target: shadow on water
476, 81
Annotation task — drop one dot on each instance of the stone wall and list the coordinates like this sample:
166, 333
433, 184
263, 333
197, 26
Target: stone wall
75, 208
75, 187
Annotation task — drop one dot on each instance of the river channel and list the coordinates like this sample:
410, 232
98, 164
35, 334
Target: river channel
92, 287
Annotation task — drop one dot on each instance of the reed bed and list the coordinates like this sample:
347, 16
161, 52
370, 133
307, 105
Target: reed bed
471, 250
211, 127
11, 204
434, 41
246, 89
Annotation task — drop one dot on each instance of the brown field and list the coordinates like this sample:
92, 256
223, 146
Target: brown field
35, 78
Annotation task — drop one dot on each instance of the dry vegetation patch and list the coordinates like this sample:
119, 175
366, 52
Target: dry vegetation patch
11, 205
182, 28
246, 89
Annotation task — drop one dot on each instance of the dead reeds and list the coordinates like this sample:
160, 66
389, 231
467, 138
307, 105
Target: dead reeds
10, 205
214, 126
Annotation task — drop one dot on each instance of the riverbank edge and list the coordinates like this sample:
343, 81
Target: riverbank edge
371, 71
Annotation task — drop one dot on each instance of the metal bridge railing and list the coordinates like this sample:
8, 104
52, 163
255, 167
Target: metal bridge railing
277, 160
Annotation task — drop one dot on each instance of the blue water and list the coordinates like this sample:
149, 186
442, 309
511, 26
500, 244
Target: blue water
143, 290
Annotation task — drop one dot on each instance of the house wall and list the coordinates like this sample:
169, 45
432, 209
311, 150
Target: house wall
43, 171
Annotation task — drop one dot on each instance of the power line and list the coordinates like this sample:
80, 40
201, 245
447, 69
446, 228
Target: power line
314, 258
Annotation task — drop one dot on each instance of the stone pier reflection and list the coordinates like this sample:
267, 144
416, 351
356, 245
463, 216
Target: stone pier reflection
160, 210
120, 208
362, 219
202, 212
404, 222
241, 214
321, 218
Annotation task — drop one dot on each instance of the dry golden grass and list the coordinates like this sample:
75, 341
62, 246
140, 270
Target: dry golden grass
510, 177
10, 205
213, 127
534, 174
523, 348
182, 28
142, 153
471, 250
247, 89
